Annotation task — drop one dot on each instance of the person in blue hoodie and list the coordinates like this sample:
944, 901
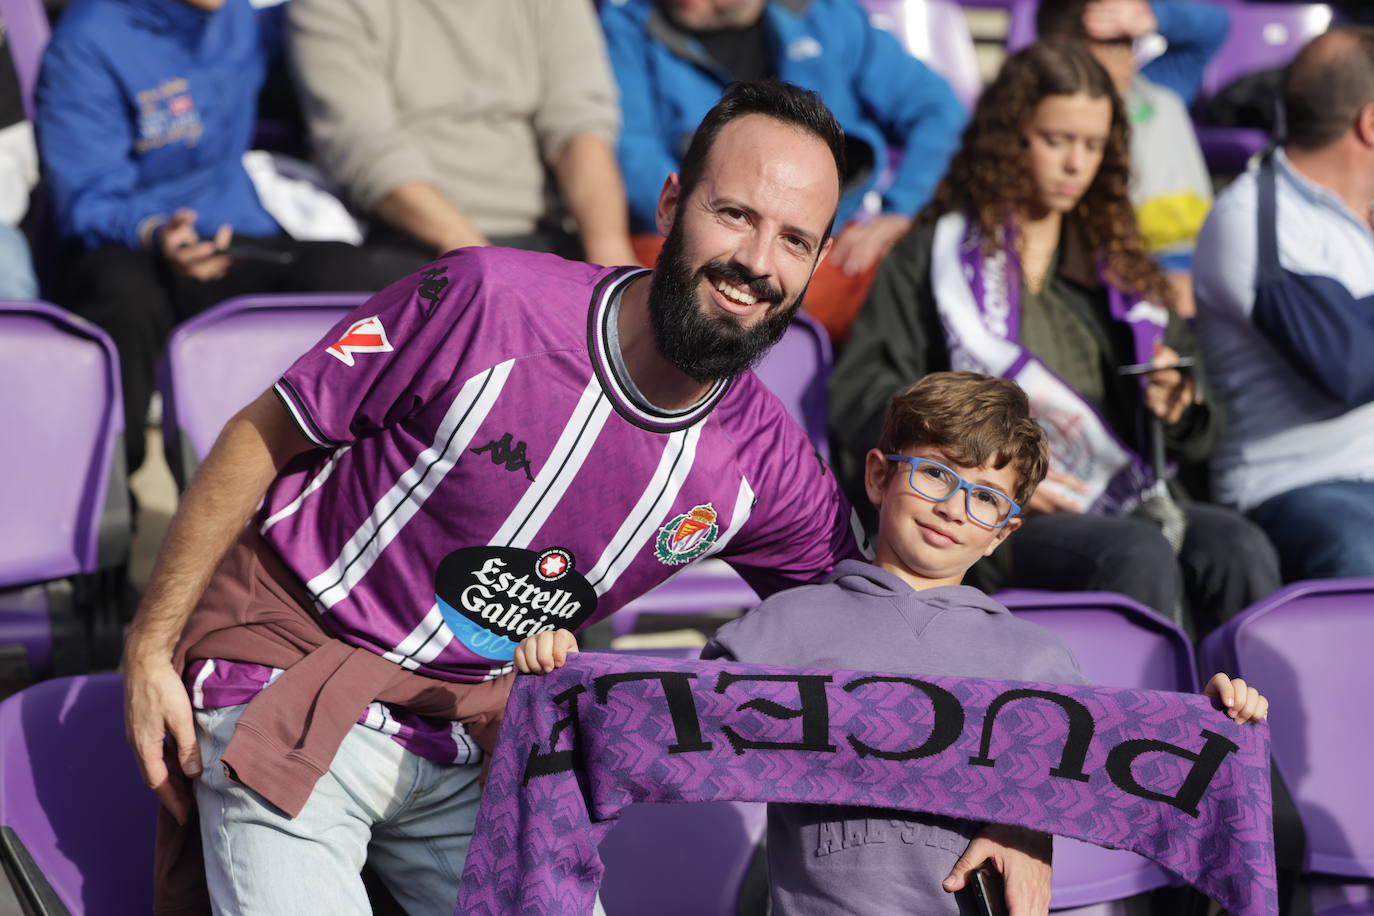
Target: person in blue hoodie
145, 109
673, 58
958, 457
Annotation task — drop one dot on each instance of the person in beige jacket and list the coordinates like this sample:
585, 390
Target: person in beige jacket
446, 120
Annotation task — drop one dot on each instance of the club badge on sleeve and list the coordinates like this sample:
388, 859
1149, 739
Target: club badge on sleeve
687, 536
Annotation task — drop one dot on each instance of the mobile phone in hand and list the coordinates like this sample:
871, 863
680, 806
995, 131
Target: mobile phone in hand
986, 890
1184, 362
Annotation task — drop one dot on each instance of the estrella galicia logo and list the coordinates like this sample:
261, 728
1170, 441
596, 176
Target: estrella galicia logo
494, 597
687, 536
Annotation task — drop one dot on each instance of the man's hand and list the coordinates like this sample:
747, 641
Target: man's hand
1021, 855
155, 706
859, 245
1046, 500
1168, 392
188, 254
1107, 20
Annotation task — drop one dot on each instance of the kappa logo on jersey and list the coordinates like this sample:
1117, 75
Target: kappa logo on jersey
505, 454
430, 287
687, 536
493, 597
366, 336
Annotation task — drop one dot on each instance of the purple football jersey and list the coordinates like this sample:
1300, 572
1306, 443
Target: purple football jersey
483, 474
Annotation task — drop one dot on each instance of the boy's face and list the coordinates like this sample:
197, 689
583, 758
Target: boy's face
930, 543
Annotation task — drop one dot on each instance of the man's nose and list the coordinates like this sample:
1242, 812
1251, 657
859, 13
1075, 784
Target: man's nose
754, 254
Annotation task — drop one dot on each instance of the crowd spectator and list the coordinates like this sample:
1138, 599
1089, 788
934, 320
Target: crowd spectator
1285, 276
1028, 264
539, 442
672, 59
1170, 185
146, 109
18, 175
443, 120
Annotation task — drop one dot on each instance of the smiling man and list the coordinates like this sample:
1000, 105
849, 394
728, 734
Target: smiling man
503, 444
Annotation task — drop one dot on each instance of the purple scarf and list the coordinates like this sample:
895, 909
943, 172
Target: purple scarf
1162, 774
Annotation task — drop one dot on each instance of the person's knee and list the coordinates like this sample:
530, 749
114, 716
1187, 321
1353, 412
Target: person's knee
1138, 562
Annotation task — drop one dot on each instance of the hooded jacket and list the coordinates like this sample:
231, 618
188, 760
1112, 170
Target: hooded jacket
887, 101
145, 106
830, 858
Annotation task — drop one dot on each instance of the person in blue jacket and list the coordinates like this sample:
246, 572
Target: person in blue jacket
673, 58
145, 109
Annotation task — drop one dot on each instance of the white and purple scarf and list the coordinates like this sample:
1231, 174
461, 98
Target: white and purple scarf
978, 299
1166, 775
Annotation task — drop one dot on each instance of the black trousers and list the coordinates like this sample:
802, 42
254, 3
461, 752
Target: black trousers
137, 299
1226, 562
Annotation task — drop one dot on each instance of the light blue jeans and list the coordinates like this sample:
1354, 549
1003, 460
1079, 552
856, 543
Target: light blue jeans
410, 818
16, 267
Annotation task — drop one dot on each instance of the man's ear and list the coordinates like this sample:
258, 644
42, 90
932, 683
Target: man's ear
875, 476
667, 203
1364, 125
1002, 534
825, 250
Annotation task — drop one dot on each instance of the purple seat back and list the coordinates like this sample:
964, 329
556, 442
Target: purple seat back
63, 470
1306, 647
936, 32
219, 361
797, 370
1021, 24
1262, 36
71, 800
27, 31
1118, 643
680, 860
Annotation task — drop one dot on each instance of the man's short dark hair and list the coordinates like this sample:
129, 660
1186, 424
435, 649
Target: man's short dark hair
773, 98
1327, 85
1061, 19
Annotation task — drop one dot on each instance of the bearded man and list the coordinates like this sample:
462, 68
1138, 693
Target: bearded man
504, 443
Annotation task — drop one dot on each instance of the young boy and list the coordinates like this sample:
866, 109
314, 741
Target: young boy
958, 457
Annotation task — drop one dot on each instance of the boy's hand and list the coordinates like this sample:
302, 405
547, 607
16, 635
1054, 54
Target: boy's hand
1021, 855
543, 652
1241, 701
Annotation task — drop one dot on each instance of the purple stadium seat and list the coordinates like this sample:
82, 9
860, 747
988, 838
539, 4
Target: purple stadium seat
1021, 24
65, 502
796, 370
220, 360
1118, 643
936, 32
76, 823
1306, 648
26, 28
1262, 36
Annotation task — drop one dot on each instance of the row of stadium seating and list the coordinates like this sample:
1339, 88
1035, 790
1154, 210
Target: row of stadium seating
76, 824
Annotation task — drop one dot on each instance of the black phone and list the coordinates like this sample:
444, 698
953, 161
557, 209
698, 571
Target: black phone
240, 252
986, 890
1184, 362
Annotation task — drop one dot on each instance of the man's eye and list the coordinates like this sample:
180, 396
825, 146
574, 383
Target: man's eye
732, 214
796, 242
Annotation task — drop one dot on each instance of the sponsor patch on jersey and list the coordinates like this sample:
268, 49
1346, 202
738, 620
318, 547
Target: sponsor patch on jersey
687, 536
492, 598
366, 336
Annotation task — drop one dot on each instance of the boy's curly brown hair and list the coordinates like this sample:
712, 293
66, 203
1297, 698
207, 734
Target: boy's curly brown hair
989, 179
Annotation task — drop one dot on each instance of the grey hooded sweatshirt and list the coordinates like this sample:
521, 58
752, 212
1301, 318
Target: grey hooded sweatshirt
828, 859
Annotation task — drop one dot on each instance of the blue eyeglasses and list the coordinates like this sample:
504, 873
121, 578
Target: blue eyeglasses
986, 506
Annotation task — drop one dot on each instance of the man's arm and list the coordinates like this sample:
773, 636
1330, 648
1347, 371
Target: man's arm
589, 180
421, 209
1194, 31
249, 452
341, 72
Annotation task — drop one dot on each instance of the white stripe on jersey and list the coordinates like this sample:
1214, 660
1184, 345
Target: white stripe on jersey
318, 481
298, 415
554, 478
428, 633
466, 753
198, 688
405, 497
379, 718
653, 504
744, 505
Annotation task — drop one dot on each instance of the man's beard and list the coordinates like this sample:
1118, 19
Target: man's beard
714, 347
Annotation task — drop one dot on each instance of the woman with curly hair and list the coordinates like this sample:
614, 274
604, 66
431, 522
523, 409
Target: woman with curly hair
1028, 264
